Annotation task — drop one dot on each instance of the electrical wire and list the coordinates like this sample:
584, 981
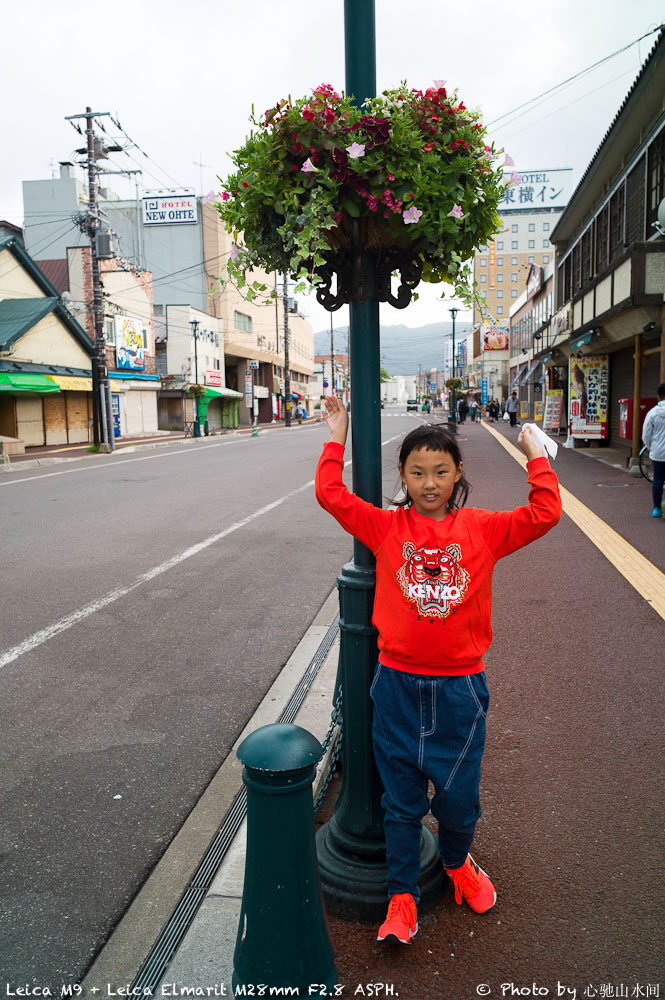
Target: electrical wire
576, 76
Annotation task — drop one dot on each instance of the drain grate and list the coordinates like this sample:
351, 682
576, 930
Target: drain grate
149, 975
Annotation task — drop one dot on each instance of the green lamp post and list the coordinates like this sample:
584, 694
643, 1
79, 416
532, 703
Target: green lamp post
351, 847
452, 415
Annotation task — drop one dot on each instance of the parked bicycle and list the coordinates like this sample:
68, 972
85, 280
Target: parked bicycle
646, 468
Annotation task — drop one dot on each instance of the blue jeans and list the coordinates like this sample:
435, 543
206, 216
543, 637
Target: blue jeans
658, 482
428, 728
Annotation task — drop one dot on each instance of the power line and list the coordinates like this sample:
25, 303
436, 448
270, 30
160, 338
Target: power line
576, 76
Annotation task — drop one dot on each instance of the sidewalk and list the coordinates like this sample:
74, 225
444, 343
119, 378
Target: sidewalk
50, 454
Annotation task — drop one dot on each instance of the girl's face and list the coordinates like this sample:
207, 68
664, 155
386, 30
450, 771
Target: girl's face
430, 478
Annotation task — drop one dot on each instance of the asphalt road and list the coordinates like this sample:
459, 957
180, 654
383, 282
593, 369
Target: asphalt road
148, 602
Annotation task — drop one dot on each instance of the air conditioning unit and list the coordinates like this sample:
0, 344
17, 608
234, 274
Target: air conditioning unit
104, 245
292, 305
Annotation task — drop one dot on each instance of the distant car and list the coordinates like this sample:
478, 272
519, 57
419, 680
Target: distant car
411, 404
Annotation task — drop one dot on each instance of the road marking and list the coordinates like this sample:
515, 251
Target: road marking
43, 635
640, 573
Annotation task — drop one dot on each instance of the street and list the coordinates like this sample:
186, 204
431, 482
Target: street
149, 601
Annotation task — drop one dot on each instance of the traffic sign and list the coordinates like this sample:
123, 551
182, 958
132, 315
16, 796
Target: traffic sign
254, 365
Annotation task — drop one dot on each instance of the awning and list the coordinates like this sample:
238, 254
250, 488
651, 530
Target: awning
516, 379
529, 372
215, 393
26, 383
581, 341
77, 383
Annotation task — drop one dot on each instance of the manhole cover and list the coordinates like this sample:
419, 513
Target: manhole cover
614, 486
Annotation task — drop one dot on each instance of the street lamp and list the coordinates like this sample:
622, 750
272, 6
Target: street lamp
452, 415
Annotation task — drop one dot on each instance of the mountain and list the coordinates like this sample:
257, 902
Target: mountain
403, 348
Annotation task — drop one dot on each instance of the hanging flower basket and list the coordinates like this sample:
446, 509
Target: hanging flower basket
409, 172
454, 384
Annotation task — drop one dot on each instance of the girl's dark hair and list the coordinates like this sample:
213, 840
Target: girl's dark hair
434, 437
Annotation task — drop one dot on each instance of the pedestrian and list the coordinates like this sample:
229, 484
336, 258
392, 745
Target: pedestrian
511, 409
462, 409
493, 410
432, 612
473, 409
653, 435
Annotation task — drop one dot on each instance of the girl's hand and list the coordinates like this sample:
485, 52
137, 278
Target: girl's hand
335, 415
528, 444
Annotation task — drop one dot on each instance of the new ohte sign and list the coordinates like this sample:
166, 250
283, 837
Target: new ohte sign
169, 210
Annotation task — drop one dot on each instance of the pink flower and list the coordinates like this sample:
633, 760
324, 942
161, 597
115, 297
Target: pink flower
308, 167
439, 83
457, 212
225, 195
509, 161
209, 197
372, 203
411, 215
355, 150
390, 177
235, 252
515, 178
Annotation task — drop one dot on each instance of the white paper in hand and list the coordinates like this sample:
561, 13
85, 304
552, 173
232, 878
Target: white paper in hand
549, 446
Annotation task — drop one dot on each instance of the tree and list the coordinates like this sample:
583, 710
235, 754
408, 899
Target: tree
383, 375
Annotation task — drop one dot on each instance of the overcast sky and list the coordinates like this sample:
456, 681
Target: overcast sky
181, 80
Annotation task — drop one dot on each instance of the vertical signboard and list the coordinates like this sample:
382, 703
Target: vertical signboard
553, 408
588, 386
129, 344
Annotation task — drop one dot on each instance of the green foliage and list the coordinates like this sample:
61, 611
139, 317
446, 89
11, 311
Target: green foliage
406, 168
384, 376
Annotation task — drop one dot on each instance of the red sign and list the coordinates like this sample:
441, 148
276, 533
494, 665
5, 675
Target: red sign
213, 376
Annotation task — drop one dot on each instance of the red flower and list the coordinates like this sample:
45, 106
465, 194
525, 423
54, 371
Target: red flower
245, 184
225, 195
306, 113
330, 115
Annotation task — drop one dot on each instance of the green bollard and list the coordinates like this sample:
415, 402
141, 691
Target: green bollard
283, 938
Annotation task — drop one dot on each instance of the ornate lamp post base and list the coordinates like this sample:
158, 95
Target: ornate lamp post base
354, 875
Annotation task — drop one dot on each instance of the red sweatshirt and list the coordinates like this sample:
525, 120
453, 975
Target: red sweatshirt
433, 603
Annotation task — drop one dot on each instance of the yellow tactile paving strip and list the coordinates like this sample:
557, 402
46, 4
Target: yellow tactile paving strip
641, 574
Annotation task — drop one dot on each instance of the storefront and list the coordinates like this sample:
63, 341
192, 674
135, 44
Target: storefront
134, 403
222, 408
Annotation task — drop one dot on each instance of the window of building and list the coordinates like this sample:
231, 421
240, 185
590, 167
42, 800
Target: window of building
499, 277
110, 331
499, 293
532, 227
532, 244
514, 228
546, 227
483, 277
617, 222
499, 245
546, 258
513, 260
483, 261
484, 293
532, 260
514, 245
513, 293
499, 262
242, 321
655, 179
546, 243
513, 276
499, 310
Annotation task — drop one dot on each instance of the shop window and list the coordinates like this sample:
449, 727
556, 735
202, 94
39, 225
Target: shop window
635, 204
602, 227
656, 178
617, 222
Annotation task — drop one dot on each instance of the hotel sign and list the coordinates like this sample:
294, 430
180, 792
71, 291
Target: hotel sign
169, 210
532, 189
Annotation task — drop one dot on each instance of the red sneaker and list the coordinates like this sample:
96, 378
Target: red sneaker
471, 883
401, 923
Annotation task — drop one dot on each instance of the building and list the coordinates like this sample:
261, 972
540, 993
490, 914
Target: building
179, 238
530, 331
45, 356
607, 329
326, 384
532, 206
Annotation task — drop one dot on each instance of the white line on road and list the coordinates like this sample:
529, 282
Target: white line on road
38, 638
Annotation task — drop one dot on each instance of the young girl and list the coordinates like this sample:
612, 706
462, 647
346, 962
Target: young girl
432, 610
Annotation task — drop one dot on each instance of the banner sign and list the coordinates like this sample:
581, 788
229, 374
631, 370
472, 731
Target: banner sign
169, 210
129, 350
248, 388
553, 408
213, 376
492, 264
495, 338
484, 395
588, 396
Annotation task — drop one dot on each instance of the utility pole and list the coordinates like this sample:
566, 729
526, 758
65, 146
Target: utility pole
101, 397
452, 416
287, 373
194, 323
